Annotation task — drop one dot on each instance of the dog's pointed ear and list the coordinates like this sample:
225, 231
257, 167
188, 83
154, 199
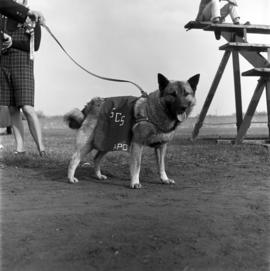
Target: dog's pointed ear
162, 82
193, 81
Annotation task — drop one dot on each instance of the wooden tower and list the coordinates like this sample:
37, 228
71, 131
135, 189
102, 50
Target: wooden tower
236, 36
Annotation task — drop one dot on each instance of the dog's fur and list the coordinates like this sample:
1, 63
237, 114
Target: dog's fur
157, 115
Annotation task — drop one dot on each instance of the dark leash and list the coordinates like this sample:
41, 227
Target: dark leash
143, 93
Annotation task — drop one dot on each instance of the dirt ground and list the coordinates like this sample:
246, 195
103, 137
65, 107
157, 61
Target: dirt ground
216, 217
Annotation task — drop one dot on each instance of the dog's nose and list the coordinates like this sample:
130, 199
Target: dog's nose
182, 109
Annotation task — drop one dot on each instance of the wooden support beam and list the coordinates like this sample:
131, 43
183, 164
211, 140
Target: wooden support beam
250, 111
237, 89
267, 91
254, 58
265, 72
237, 46
211, 94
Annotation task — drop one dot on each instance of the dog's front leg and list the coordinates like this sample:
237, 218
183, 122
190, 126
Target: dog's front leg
160, 156
135, 165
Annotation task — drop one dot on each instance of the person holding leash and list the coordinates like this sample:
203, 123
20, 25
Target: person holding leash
16, 75
19, 12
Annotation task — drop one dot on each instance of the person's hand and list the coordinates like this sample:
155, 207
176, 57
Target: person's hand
36, 16
7, 42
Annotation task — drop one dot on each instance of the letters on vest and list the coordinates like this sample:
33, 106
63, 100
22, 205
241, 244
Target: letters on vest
115, 121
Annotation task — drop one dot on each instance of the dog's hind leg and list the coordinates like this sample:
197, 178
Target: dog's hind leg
160, 156
83, 147
135, 165
97, 162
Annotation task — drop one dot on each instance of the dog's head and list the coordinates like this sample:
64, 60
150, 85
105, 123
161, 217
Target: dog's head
178, 97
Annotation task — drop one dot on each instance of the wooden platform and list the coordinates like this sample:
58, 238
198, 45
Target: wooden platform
229, 27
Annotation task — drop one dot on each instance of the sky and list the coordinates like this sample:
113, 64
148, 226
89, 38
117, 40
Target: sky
134, 40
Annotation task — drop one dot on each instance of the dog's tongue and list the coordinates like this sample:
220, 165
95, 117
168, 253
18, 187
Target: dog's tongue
181, 117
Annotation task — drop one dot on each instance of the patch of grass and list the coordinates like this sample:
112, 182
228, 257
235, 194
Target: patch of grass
60, 143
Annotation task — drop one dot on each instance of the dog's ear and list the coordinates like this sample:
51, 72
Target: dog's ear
193, 81
162, 82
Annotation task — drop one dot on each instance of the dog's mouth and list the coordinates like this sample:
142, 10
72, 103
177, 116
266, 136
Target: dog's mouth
182, 116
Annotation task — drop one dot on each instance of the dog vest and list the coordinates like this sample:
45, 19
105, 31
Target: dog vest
114, 125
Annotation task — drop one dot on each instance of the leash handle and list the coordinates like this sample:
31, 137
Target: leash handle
143, 93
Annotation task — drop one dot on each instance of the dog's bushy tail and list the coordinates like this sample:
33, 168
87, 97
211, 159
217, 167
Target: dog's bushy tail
74, 118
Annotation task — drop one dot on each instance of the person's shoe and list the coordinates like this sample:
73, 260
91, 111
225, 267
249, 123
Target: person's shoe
217, 34
43, 154
9, 130
236, 21
216, 20
221, 20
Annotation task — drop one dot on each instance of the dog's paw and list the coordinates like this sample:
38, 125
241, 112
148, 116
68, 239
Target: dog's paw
73, 180
168, 181
101, 177
136, 186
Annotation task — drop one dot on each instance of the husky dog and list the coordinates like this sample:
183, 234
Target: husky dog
156, 118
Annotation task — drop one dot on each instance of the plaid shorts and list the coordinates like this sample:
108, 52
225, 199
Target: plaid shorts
16, 76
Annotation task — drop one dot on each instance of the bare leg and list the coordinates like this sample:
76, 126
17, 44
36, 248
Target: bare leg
160, 156
97, 162
232, 10
17, 125
135, 165
215, 10
211, 12
34, 126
